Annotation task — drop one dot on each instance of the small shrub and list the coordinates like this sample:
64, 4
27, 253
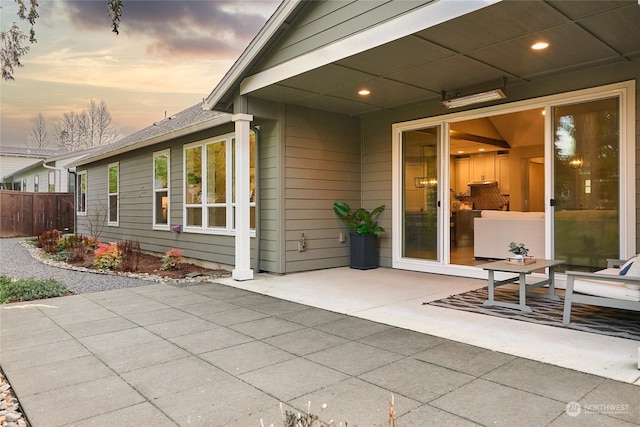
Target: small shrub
62, 255
107, 257
32, 241
130, 254
171, 259
29, 289
48, 241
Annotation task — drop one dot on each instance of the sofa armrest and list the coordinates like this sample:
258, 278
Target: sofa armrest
599, 276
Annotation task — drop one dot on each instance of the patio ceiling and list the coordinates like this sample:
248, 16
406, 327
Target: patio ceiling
480, 48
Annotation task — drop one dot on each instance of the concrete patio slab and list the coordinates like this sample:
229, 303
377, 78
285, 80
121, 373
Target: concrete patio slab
487, 403
141, 356
130, 369
130, 417
415, 379
293, 378
66, 405
246, 357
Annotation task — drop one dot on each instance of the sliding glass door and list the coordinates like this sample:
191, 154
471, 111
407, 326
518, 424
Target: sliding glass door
420, 189
587, 183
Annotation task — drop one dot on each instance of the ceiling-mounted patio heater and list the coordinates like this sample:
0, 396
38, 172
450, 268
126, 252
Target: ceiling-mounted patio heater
456, 99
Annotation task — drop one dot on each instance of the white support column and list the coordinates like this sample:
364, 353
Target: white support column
242, 270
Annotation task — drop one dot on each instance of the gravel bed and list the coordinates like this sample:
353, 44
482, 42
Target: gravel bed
20, 261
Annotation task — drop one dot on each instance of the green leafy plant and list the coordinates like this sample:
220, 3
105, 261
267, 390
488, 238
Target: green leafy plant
518, 249
29, 289
171, 259
360, 221
107, 257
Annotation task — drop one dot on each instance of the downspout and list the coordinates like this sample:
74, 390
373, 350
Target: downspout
75, 199
256, 130
58, 176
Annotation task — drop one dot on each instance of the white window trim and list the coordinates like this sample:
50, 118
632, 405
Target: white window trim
155, 225
230, 204
115, 223
51, 181
36, 183
79, 190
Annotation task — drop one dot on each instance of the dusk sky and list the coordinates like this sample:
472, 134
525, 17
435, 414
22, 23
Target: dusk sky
168, 56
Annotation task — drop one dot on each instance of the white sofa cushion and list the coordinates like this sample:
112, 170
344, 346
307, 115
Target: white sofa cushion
511, 215
603, 288
494, 230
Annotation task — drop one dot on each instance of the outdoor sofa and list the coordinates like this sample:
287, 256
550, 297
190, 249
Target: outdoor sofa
617, 286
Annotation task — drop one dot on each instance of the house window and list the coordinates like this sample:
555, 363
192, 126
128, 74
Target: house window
24, 184
81, 202
52, 182
113, 193
36, 183
209, 185
161, 190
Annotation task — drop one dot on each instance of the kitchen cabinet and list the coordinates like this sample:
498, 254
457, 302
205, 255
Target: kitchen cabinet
462, 175
483, 167
502, 173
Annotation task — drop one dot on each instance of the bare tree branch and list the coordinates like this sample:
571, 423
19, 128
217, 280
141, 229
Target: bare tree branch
39, 137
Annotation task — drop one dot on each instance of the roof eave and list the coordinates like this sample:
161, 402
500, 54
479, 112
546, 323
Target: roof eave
232, 78
217, 121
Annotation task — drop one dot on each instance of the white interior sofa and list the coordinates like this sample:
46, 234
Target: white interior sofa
494, 230
616, 286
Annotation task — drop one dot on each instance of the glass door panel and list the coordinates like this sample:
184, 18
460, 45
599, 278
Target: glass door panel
587, 183
420, 193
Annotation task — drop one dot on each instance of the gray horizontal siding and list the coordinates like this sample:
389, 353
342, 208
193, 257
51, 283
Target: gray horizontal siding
136, 204
269, 197
326, 22
322, 165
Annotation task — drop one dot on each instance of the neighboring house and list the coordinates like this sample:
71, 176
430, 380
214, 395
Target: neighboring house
48, 175
13, 159
365, 102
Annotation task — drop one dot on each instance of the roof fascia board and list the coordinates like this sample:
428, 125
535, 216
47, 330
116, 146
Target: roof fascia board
429, 15
155, 140
272, 26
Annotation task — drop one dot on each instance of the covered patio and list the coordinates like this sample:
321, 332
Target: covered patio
396, 297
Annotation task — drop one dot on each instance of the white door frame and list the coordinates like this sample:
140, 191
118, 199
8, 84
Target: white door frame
624, 90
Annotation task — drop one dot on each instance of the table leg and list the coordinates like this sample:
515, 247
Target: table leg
523, 292
491, 288
552, 284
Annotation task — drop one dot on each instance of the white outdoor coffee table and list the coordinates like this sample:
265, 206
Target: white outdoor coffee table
522, 272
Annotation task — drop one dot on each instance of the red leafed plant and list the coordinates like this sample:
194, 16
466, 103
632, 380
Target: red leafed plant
107, 257
172, 258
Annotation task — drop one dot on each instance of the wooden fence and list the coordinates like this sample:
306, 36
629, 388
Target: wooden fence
29, 214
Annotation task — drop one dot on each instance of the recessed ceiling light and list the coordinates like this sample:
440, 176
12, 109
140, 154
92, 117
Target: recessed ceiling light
480, 149
364, 92
461, 152
539, 45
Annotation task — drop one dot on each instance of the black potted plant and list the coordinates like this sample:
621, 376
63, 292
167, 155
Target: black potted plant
364, 234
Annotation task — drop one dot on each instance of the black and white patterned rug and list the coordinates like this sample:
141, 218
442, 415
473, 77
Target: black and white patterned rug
598, 320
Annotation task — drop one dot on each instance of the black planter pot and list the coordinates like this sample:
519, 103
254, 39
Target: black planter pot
364, 251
